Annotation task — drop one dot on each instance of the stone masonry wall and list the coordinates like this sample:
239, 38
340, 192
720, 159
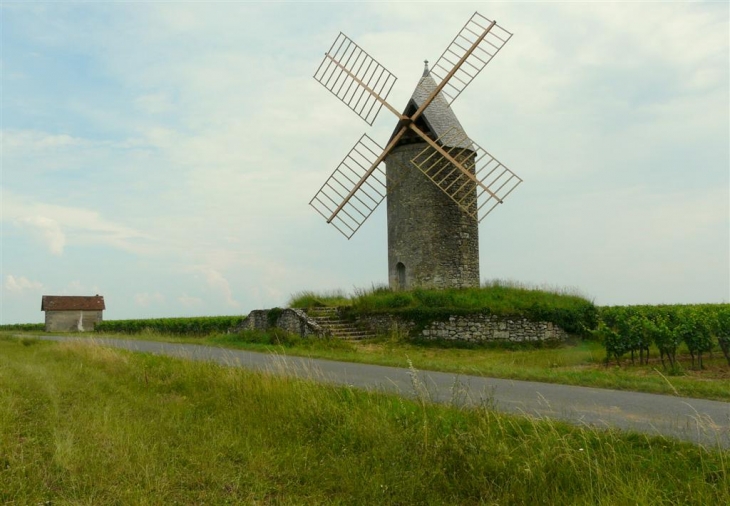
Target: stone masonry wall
292, 320
480, 328
473, 328
435, 242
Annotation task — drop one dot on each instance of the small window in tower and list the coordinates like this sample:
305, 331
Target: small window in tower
401, 270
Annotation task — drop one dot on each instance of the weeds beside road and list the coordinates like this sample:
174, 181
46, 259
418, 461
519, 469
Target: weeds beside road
581, 363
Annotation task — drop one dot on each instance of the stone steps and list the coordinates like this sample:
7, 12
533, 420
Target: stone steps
329, 319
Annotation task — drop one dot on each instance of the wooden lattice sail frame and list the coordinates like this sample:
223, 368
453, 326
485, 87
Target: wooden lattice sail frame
476, 181
357, 186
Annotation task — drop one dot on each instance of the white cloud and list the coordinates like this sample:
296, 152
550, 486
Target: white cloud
220, 284
190, 302
47, 230
59, 226
76, 287
154, 103
30, 141
21, 284
148, 299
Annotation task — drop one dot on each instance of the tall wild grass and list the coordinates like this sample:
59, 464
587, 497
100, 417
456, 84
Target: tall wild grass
80, 423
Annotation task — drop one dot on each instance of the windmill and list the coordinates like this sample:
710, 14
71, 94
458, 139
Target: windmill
440, 184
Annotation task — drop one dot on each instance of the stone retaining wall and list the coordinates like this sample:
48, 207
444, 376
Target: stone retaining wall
473, 328
470, 328
292, 320
479, 328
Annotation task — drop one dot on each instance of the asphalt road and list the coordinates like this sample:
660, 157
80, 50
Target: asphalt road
697, 420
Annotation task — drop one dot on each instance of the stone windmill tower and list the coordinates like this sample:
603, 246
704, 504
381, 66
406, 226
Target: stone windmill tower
431, 241
440, 184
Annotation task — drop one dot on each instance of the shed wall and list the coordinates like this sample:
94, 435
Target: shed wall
72, 321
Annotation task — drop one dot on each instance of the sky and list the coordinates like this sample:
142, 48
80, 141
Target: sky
163, 154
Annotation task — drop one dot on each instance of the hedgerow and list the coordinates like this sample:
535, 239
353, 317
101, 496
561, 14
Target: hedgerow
195, 326
28, 327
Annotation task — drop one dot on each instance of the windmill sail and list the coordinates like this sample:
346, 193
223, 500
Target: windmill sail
481, 55
467, 174
478, 184
354, 77
344, 179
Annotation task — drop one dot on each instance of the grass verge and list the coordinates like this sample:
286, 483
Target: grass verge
81, 423
581, 363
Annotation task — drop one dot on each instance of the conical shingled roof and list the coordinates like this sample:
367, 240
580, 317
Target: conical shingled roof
438, 118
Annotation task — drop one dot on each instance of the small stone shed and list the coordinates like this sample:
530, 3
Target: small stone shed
72, 313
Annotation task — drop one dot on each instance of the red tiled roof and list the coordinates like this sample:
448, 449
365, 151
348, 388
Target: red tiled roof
72, 303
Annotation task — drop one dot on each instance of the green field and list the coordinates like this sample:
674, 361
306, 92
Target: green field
82, 424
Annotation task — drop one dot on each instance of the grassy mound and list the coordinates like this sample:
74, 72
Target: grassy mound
309, 299
573, 312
